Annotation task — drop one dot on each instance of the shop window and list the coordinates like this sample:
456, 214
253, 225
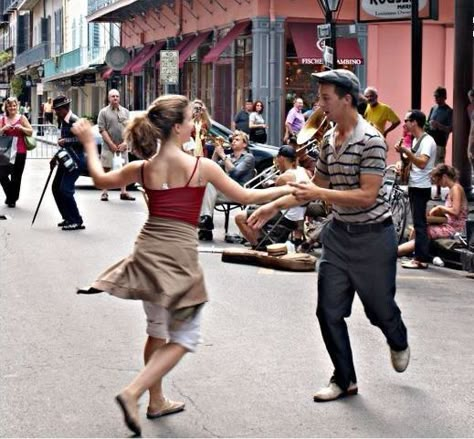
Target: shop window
243, 72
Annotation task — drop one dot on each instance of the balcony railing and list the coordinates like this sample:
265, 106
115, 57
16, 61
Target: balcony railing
74, 61
95, 5
10, 5
31, 56
66, 62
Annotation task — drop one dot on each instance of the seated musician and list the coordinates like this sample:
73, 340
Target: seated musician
240, 166
287, 219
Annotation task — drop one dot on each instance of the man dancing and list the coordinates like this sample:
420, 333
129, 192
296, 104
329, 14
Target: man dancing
359, 244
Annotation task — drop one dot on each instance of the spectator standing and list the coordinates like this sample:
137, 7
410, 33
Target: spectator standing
378, 113
17, 126
112, 121
64, 181
360, 236
202, 125
439, 125
470, 112
241, 119
27, 111
257, 125
294, 120
48, 111
239, 166
314, 106
422, 157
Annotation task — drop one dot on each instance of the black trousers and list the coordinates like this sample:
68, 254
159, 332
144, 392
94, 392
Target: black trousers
11, 181
419, 198
63, 192
365, 263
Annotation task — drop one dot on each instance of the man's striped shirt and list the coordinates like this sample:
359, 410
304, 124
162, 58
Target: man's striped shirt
363, 153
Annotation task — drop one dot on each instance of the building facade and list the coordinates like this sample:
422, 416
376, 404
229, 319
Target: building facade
265, 49
48, 48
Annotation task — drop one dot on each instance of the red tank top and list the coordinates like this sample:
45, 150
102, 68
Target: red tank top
15, 132
180, 203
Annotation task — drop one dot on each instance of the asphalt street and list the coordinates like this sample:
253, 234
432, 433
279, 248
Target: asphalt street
65, 357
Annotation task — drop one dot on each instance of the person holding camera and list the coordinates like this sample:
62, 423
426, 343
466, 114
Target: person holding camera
202, 124
70, 160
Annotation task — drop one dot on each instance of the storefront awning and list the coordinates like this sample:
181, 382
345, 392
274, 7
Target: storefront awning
144, 59
221, 45
179, 47
191, 47
136, 59
310, 50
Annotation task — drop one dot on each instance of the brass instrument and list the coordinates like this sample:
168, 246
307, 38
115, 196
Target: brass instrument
310, 137
217, 140
313, 130
262, 179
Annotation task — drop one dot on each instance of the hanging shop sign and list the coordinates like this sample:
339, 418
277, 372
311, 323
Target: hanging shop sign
77, 81
89, 78
169, 66
394, 10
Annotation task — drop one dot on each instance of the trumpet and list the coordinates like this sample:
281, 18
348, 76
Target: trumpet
217, 140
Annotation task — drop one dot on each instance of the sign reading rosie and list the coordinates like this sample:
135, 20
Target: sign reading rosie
394, 10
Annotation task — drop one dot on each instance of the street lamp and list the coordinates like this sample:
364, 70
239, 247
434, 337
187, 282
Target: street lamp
40, 70
329, 8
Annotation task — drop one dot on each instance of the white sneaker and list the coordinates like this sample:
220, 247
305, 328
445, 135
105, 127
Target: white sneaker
333, 391
400, 359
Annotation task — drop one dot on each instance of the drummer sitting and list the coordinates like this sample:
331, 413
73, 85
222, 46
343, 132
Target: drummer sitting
287, 220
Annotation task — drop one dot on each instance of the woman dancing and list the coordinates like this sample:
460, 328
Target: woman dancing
163, 271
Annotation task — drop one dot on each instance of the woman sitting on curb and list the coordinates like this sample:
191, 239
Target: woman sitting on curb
455, 209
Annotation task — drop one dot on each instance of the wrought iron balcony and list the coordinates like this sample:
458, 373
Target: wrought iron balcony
9, 6
31, 56
73, 62
64, 63
117, 11
95, 5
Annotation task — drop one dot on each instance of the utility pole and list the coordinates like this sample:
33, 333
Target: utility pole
463, 80
416, 56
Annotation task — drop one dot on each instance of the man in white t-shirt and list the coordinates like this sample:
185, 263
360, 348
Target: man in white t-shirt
287, 220
422, 157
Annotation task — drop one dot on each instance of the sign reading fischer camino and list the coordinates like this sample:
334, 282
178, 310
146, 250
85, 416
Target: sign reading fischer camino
394, 10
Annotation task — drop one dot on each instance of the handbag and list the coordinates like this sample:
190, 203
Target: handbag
7, 150
407, 164
30, 143
257, 132
117, 161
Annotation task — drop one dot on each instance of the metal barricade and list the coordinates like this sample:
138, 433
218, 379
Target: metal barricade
46, 140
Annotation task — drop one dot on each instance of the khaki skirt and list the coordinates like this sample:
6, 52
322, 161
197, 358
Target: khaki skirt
162, 269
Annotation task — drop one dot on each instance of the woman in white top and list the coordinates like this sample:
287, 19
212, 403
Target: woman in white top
257, 125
